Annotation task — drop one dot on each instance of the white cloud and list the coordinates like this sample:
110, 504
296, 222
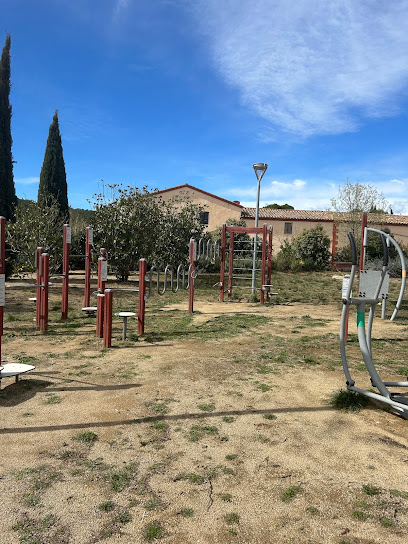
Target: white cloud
119, 7
310, 67
27, 181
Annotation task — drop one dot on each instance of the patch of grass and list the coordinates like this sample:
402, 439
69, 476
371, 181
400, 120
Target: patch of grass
187, 512
206, 407
106, 506
121, 478
360, 515
32, 499
370, 490
153, 530
160, 426
269, 416
386, 522
226, 497
312, 510
397, 493
152, 504
124, 517
228, 419
199, 431
290, 493
158, 407
264, 387
52, 399
264, 439
87, 437
231, 456
348, 400
190, 477
231, 518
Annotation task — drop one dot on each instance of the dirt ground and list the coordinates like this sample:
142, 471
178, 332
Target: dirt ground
178, 447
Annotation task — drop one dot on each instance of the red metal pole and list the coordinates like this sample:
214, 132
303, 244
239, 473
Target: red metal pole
107, 329
222, 266
88, 261
230, 264
2, 275
142, 293
38, 290
334, 244
65, 270
191, 279
263, 265
269, 280
102, 277
45, 259
363, 227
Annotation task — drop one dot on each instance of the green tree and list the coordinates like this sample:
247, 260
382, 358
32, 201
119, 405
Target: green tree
53, 178
134, 223
8, 199
34, 226
308, 251
279, 206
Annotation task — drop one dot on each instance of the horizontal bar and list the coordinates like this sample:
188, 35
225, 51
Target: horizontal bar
245, 230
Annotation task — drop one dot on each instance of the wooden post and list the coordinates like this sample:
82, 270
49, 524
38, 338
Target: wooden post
334, 244
102, 277
45, 278
88, 262
222, 266
263, 265
269, 280
142, 294
65, 270
38, 291
191, 270
362, 252
107, 329
230, 264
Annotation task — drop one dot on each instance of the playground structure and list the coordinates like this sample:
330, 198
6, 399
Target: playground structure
248, 254
372, 293
176, 280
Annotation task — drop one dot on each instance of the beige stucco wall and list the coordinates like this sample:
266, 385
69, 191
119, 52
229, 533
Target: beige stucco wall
297, 228
219, 210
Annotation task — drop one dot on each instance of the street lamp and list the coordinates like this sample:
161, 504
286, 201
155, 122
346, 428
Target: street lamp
259, 169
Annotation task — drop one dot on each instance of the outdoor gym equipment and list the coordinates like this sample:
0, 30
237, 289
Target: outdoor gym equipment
389, 240
208, 249
10, 369
105, 296
398, 401
234, 272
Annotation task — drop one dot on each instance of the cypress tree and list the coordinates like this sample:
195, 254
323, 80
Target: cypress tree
8, 199
53, 178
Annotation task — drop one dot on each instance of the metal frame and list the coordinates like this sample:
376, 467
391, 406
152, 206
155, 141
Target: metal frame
398, 401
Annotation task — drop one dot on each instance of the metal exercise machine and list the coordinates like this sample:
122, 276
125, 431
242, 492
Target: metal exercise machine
397, 400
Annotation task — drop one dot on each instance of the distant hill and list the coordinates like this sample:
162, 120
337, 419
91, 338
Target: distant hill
77, 215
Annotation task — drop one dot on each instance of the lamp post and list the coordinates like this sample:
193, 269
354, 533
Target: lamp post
259, 169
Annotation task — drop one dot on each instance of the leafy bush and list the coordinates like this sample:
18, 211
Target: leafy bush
308, 251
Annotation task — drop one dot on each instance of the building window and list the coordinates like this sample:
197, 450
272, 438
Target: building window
288, 228
204, 217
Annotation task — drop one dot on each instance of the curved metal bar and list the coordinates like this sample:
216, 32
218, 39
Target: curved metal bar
403, 267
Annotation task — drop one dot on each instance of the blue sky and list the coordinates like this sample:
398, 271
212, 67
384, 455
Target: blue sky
167, 92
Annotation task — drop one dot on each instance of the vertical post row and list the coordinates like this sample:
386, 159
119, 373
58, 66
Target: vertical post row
45, 277
222, 267
88, 262
65, 270
270, 249
102, 277
230, 264
107, 329
2, 275
191, 271
38, 291
263, 265
142, 294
